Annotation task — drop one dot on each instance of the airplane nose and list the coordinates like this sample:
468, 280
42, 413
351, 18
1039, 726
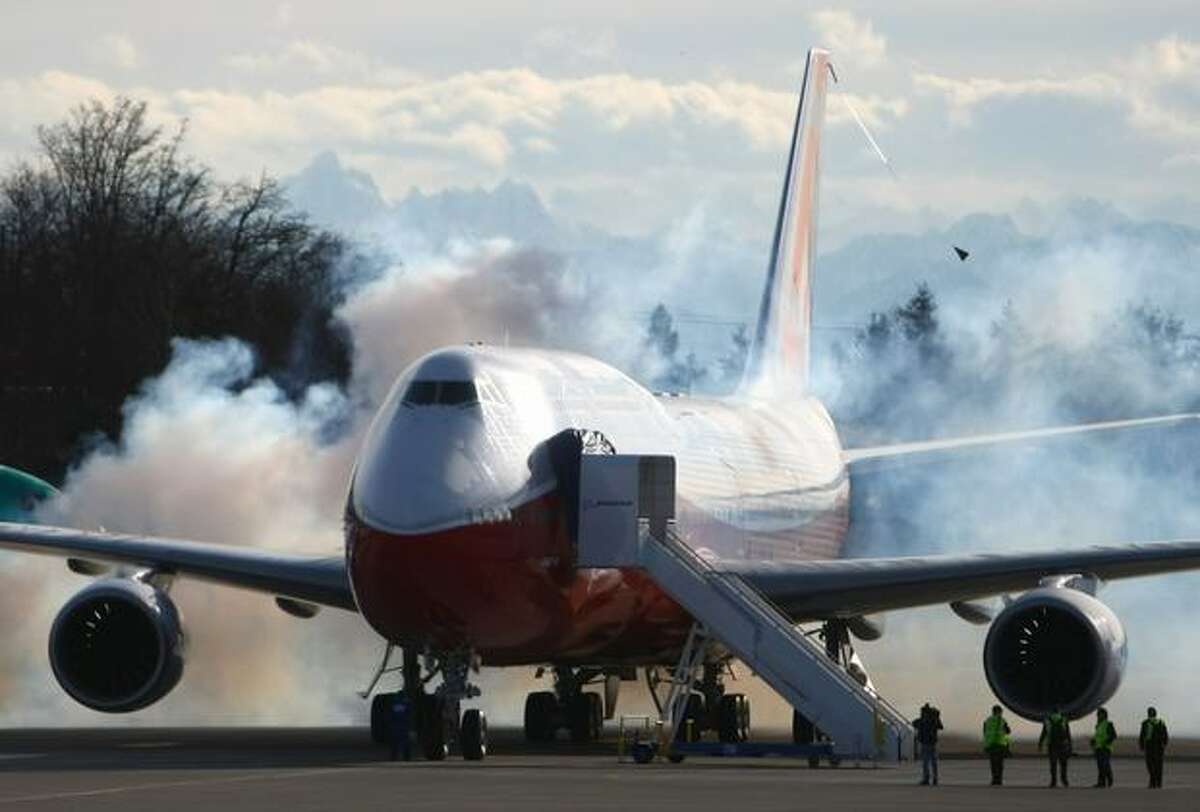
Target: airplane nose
428, 469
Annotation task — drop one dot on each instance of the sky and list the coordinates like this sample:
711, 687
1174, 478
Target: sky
628, 115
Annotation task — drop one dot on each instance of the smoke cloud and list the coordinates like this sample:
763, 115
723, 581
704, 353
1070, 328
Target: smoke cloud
211, 451
1082, 340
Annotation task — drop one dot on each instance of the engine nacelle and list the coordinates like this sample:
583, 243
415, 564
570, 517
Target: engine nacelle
1054, 647
117, 646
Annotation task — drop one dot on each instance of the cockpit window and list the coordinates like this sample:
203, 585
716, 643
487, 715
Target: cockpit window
421, 393
445, 393
456, 392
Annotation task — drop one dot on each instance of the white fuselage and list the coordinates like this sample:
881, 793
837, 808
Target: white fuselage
454, 530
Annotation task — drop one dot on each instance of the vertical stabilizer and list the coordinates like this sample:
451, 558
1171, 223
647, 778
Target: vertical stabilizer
779, 356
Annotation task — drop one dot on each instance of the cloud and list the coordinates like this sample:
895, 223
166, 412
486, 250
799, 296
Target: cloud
42, 100
308, 56
117, 50
964, 95
851, 40
485, 118
1172, 58
578, 46
1189, 160
876, 111
1157, 88
285, 13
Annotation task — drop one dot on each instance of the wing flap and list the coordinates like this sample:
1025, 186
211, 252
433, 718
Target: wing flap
817, 590
314, 579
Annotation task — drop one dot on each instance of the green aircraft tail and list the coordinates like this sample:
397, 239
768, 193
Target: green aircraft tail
20, 495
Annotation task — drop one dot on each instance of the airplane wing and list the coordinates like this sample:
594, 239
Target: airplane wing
815, 590
869, 460
320, 580
890, 513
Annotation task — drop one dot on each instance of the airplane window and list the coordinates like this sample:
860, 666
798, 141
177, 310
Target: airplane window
421, 393
457, 392
446, 393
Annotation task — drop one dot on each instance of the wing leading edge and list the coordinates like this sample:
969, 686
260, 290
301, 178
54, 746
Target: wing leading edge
848, 587
315, 579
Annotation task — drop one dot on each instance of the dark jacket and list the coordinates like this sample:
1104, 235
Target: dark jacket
1056, 732
928, 725
1153, 736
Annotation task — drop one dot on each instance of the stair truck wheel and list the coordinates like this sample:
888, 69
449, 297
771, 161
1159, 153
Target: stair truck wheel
379, 718
804, 732
433, 728
473, 735
744, 717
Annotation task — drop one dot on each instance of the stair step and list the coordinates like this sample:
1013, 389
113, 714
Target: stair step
862, 725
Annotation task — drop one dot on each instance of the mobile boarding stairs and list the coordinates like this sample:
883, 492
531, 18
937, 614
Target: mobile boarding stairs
626, 519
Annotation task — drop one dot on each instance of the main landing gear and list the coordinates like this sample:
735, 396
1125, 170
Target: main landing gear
436, 718
708, 706
567, 706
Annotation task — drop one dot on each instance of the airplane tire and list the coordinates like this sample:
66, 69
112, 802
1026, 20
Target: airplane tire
540, 709
379, 718
596, 705
473, 735
579, 718
729, 718
433, 728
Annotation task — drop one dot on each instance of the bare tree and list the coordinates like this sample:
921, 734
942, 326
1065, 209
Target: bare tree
112, 242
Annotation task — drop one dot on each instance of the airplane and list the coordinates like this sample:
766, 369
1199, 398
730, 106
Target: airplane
20, 495
459, 522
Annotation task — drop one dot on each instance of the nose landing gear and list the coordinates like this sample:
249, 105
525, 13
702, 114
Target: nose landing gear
439, 723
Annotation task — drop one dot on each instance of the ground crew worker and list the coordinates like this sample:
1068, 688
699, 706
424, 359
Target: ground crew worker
996, 743
398, 726
1056, 736
1153, 742
927, 727
1102, 746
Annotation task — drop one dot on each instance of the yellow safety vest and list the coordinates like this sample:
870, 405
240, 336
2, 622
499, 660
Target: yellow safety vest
1102, 740
994, 736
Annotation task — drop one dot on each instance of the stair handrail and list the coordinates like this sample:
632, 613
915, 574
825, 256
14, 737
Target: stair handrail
671, 543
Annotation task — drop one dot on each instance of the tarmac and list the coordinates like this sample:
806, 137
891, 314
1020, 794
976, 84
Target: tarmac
326, 769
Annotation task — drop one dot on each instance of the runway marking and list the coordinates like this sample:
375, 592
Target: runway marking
237, 779
15, 756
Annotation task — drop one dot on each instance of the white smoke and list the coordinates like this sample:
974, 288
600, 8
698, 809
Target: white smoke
1081, 357
209, 451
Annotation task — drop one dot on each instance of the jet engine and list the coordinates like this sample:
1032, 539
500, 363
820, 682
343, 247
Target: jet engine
117, 646
1054, 647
